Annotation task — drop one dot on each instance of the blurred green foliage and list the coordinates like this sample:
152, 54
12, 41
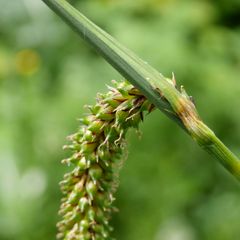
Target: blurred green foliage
169, 189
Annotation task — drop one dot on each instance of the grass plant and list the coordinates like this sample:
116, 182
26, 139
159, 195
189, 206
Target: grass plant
89, 188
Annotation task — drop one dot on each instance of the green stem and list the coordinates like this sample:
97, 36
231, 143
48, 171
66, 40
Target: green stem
177, 105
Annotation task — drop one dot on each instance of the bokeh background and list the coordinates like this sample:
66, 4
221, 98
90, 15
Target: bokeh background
169, 189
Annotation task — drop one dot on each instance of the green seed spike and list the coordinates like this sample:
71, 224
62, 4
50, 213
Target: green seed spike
87, 205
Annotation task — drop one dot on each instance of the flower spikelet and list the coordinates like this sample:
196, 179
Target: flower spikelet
97, 148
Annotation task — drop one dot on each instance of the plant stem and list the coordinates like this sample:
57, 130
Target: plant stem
161, 91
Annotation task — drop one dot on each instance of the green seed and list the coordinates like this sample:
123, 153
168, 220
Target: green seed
86, 236
98, 228
95, 172
105, 116
99, 215
97, 146
83, 204
89, 136
99, 237
91, 214
95, 109
84, 225
121, 116
112, 102
83, 164
91, 189
96, 126
73, 197
87, 147
111, 134
87, 120
104, 154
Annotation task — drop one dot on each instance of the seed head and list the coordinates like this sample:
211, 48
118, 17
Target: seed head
88, 190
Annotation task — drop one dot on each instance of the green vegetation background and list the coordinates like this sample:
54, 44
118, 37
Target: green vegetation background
169, 188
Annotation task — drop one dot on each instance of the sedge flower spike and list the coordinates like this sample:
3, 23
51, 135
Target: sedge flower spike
97, 149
